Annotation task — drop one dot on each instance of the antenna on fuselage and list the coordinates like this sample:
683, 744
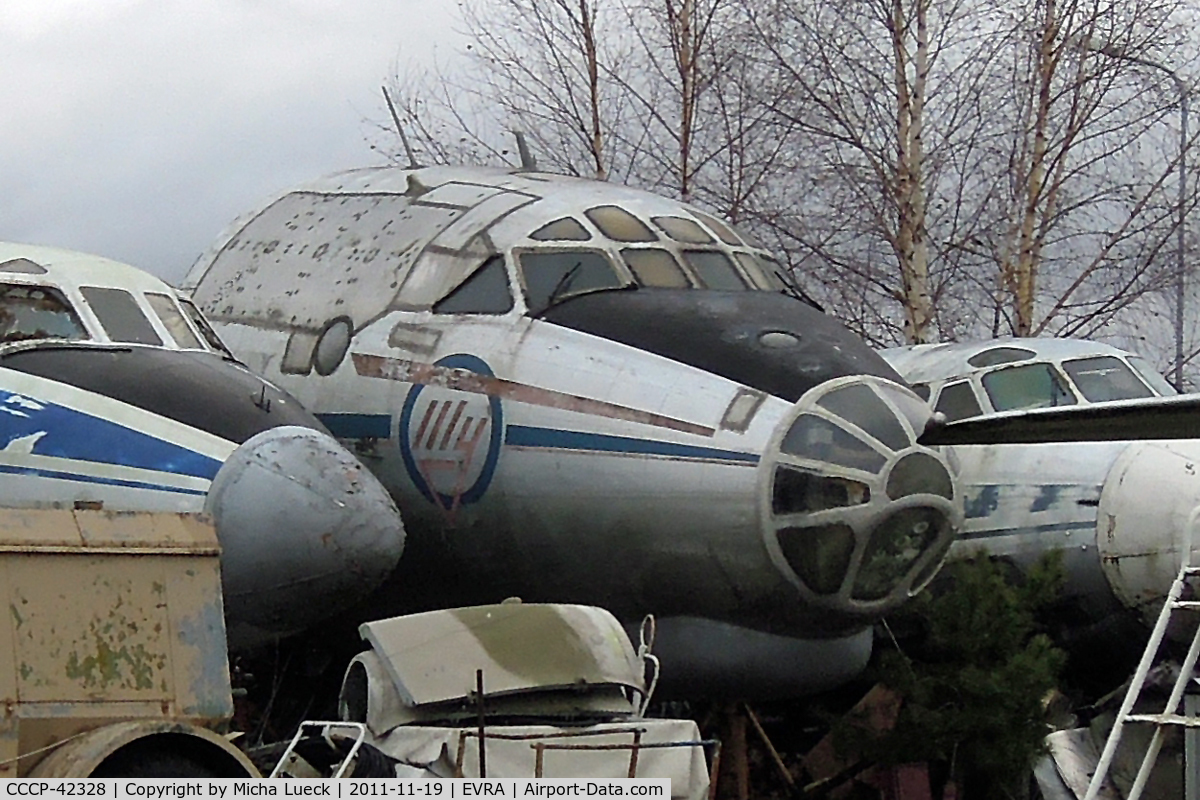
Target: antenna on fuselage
527, 160
412, 159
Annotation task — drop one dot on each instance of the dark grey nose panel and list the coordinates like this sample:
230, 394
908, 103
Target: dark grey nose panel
197, 388
764, 340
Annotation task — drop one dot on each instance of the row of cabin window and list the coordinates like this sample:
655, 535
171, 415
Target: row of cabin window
43, 312
1098, 379
550, 276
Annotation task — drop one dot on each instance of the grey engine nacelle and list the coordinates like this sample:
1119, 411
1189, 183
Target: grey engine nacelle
306, 531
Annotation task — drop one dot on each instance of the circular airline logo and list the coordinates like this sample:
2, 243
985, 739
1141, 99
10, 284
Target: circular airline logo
450, 437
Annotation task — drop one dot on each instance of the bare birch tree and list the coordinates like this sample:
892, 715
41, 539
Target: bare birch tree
538, 66
1035, 173
658, 90
859, 83
1077, 117
909, 29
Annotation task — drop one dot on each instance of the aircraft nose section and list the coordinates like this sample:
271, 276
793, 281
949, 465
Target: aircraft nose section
305, 530
858, 515
1144, 521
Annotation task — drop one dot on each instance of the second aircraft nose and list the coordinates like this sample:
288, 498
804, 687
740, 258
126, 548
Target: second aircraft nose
305, 531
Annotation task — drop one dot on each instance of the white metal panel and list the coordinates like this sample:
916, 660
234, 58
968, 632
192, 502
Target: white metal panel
479, 218
434, 657
353, 252
460, 195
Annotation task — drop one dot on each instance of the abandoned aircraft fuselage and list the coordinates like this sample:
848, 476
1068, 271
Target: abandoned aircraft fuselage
116, 394
579, 392
1117, 510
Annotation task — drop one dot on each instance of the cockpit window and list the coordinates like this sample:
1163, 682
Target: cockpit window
1000, 355
36, 312
683, 230
172, 319
856, 403
483, 292
617, 223
206, 330
1027, 386
1152, 376
821, 440
120, 315
714, 269
566, 229
777, 275
758, 272
957, 401
653, 266
1105, 378
553, 276
22, 265
721, 229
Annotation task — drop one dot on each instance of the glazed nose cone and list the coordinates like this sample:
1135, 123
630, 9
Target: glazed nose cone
860, 516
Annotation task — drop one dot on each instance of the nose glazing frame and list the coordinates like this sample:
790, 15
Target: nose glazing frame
860, 551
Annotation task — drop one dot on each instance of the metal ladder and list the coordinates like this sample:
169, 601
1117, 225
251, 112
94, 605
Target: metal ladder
327, 727
1169, 715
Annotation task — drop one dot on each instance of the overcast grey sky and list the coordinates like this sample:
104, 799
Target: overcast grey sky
138, 129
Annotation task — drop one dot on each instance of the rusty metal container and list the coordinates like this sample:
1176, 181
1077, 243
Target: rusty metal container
111, 619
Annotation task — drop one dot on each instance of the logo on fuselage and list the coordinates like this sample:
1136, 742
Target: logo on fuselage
450, 439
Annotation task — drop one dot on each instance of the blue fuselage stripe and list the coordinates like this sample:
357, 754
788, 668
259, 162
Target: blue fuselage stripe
357, 426
74, 476
552, 438
63, 432
378, 426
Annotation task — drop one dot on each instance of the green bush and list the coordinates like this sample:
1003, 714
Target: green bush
973, 673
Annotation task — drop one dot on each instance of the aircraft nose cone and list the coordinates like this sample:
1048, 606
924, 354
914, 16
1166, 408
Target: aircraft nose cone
859, 515
1145, 523
305, 530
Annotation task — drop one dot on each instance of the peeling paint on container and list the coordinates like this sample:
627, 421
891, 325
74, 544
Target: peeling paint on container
112, 616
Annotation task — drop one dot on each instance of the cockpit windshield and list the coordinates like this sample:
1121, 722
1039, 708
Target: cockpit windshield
552, 276
1152, 376
1027, 386
763, 273
171, 318
120, 315
37, 312
654, 266
210, 336
715, 270
1104, 378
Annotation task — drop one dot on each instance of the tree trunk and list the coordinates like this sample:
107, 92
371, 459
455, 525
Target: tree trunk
912, 246
1021, 277
588, 30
